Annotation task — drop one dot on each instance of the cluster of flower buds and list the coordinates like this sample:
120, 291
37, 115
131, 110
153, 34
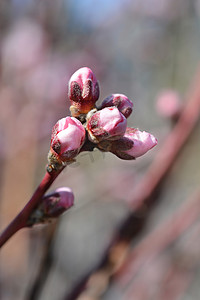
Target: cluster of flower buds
104, 127
52, 206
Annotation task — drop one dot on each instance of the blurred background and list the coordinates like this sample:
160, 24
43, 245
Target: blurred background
148, 50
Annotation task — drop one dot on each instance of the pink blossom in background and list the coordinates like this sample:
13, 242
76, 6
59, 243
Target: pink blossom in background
169, 104
122, 102
45, 83
24, 46
68, 136
107, 123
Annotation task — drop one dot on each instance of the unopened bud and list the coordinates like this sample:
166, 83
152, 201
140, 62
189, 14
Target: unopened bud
107, 123
83, 91
135, 143
68, 136
119, 145
52, 206
122, 102
59, 202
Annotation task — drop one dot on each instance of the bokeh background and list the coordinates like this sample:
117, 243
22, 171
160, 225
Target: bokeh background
139, 48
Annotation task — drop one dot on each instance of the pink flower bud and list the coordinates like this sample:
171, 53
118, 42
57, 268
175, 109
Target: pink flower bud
143, 141
52, 206
68, 136
122, 102
83, 91
57, 203
107, 123
134, 143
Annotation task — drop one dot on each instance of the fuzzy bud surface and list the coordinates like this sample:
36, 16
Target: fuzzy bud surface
134, 143
68, 136
83, 91
142, 141
122, 102
107, 123
52, 206
57, 203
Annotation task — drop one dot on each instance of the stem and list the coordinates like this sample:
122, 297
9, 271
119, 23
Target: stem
45, 265
20, 221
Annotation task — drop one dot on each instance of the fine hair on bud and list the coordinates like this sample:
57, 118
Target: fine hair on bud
83, 91
107, 123
142, 142
122, 102
68, 136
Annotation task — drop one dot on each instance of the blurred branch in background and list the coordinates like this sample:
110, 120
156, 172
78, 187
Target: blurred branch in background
44, 266
149, 250
166, 234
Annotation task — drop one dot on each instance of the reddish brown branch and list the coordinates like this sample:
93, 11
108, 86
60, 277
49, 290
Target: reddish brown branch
20, 220
177, 274
162, 237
